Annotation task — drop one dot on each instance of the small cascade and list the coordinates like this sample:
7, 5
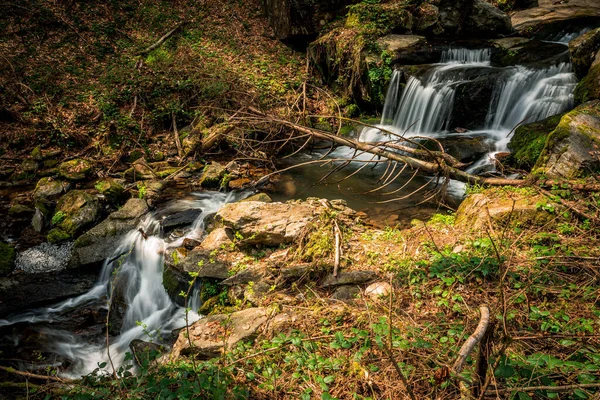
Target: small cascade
466, 56
528, 95
136, 267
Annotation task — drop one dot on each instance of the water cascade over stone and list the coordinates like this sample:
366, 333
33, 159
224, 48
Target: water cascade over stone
427, 105
136, 268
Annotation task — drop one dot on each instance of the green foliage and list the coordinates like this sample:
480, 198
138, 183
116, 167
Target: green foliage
142, 190
58, 217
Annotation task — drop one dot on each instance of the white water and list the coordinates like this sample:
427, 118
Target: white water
520, 95
150, 312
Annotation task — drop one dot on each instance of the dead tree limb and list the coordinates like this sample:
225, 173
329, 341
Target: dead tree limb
160, 41
32, 375
472, 341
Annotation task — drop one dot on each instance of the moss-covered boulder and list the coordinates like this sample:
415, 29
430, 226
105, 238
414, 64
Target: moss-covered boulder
50, 188
583, 49
7, 259
528, 141
573, 148
75, 170
57, 235
75, 211
517, 207
212, 175
20, 210
112, 189
589, 87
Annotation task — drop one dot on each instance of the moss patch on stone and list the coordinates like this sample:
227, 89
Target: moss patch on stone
7, 259
57, 235
528, 142
589, 87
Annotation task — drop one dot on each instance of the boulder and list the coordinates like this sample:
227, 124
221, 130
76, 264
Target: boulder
401, 48
212, 175
572, 150
485, 20
262, 197
251, 274
95, 245
532, 53
270, 224
518, 209
349, 278
378, 289
19, 292
145, 352
78, 210
19, 210
29, 166
180, 219
50, 188
210, 335
589, 87
139, 171
218, 238
552, 15
346, 293
528, 141
428, 16
7, 259
583, 50
75, 170
110, 188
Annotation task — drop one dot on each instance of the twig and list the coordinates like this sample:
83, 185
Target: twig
338, 250
555, 389
176, 134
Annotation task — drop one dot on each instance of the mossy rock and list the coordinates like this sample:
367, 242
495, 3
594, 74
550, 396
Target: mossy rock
589, 87
19, 210
30, 166
583, 50
262, 197
49, 188
528, 141
75, 170
7, 259
112, 189
572, 150
36, 154
57, 235
80, 210
212, 175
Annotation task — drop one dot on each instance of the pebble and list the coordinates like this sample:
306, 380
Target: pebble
44, 258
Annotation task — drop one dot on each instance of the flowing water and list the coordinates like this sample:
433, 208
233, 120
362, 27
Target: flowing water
150, 311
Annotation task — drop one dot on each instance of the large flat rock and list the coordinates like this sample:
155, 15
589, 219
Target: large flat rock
549, 13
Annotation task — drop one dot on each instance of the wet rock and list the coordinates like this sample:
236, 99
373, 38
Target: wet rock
23, 291
266, 223
145, 352
190, 244
583, 51
75, 170
518, 209
118, 303
217, 239
95, 245
175, 281
38, 222
180, 219
346, 293
240, 183
19, 210
533, 53
150, 190
212, 175
378, 289
589, 87
349, 278
7, 259
573, 149
79, 210
262, 197
44, 258
210, 335
486, 20
528, 141
50, 188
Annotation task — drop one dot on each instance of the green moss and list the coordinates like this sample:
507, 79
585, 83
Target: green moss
57, 235
589, 87
7, 259
528, 142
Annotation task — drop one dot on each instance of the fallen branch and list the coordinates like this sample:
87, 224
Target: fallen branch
32, 375
176, 135
338, 250
472, 341
160, 41
554, 389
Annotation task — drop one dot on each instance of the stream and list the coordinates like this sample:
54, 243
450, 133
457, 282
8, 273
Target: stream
423, 107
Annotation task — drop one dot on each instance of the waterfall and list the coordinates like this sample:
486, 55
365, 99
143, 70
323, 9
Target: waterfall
150, 312
466, 56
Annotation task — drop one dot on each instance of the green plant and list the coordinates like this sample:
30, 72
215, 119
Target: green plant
58, 217
142, 190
